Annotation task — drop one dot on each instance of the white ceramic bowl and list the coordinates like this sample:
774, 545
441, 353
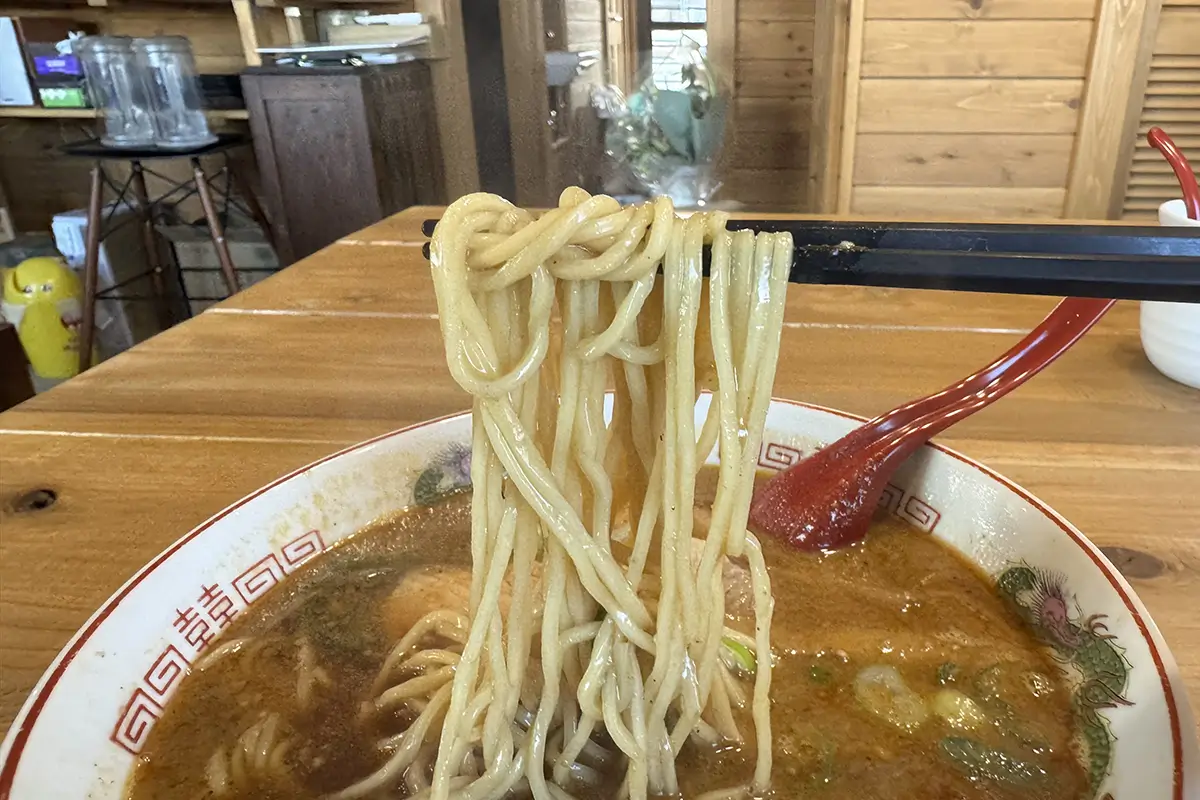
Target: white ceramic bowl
1171, 331
79, 733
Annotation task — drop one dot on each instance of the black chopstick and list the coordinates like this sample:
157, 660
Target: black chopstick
1125, 262
1091, 240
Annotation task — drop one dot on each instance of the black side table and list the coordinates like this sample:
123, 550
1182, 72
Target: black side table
134, 190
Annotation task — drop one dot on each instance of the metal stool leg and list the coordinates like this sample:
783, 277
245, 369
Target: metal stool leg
91, 266
150, 242
214, 227
238, 184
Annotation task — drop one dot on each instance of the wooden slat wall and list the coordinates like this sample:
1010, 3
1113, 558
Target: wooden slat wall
584, 24
1172, 102
213, 34
966, 108
585, 30
766, 164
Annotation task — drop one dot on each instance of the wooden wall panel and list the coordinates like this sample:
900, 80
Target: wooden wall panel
852, 102
213, 32
585, 35
1005, 49
782, 39
1116, 81
951, 105
774, 114
960, 202
1000, 160
935, 101
761, 78
761, 187
962, 108
831, 31
777, 10
767, 155
722, 28
771, 149
40, 181
981, 9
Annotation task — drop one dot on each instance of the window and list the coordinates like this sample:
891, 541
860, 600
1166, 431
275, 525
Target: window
671, 22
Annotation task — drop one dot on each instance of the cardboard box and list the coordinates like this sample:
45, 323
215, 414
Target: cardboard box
196, 257
7, 231
15, 88
129, 315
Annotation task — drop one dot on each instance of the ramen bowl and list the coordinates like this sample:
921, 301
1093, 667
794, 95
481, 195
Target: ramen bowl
80, 733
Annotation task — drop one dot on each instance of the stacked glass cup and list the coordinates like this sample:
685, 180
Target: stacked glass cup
146, 90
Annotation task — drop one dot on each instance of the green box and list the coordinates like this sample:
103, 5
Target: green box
64, 97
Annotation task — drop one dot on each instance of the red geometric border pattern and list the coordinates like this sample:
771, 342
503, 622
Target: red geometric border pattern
302, 548
258, 578
133, 727
8, 770
147, 699
890, 499
897, 502
164, 673
777, 456
931, 516
919, 513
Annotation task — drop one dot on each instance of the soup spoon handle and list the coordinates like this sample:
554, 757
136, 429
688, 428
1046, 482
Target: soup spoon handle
827, 499
1053, 336
901, 431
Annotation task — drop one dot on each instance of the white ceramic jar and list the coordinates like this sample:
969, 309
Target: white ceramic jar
1171, 331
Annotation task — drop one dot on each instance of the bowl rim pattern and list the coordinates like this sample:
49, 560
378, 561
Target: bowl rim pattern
22, 726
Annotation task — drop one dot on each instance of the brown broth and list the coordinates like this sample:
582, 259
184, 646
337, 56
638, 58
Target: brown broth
900, 599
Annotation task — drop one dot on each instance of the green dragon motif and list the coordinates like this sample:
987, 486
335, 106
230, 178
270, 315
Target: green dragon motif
1096, 663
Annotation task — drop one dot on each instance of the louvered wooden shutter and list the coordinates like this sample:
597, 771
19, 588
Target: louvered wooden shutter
1172, 103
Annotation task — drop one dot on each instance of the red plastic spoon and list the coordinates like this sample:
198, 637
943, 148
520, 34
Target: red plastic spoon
827, 500
1183, 170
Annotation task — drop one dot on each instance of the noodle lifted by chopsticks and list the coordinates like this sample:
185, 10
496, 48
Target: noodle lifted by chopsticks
612, 638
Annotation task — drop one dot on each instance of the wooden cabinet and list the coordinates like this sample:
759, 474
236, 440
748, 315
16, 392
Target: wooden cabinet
341, 147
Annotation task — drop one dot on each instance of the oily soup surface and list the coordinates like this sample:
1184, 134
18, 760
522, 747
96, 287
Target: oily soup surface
899, 673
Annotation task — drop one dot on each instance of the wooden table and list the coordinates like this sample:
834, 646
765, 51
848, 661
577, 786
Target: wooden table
345, 345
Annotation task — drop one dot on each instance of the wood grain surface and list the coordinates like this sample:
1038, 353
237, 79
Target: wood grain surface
345, 345
771, 77
775, 39
940, 202
1117, 77
969, 105
981, 9
971, 49
996, 160
777, 9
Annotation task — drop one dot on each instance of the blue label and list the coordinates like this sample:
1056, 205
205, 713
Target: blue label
56, 65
